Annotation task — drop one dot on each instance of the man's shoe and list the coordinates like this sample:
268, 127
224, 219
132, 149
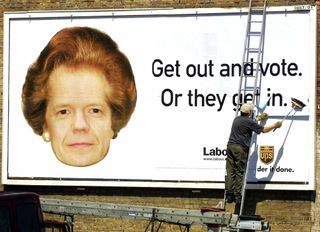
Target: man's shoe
230, 198
237, 208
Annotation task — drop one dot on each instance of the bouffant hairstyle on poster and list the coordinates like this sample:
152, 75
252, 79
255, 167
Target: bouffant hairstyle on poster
75, 47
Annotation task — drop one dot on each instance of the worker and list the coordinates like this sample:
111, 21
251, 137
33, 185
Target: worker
238, 149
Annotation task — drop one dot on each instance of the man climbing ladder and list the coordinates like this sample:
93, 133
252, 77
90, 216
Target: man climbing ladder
238, 148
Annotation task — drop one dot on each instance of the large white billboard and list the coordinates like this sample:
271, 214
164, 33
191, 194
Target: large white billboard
186, 71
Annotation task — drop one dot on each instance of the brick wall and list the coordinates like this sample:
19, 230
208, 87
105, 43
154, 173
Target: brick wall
285, 210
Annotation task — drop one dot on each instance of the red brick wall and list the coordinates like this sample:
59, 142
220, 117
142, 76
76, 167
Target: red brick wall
285, 210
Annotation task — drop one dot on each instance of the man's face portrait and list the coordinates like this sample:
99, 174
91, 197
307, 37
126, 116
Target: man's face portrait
78, 118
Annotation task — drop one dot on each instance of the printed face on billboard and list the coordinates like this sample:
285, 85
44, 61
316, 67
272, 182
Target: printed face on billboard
78, 94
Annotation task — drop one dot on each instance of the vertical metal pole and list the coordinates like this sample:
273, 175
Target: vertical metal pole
153, 215
151, 222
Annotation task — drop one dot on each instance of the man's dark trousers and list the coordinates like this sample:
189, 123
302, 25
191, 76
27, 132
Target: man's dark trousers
235, 165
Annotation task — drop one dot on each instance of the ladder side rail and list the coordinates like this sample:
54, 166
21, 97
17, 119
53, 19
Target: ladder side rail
260, 56
246, 61
244, 58
253, 141
243, 79
244, 186
262, 48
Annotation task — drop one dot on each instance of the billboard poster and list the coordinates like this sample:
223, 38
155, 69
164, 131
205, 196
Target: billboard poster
147, 97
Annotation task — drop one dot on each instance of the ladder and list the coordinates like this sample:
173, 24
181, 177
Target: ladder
209, 217
250, 79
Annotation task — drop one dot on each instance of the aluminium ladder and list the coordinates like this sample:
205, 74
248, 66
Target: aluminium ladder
184, 218
250, 79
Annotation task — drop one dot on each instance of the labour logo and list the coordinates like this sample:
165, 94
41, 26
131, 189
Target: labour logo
266, 154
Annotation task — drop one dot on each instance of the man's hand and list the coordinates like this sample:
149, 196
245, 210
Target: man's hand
262, 117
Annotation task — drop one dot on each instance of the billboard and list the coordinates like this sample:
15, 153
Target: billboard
185, 64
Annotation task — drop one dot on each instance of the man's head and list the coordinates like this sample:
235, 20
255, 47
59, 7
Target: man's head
246, 109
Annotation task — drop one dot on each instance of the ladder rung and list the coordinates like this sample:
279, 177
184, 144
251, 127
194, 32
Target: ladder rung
256, 21
253, 50
257, 8
254, 67
250, 62
255, 33
248, 89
